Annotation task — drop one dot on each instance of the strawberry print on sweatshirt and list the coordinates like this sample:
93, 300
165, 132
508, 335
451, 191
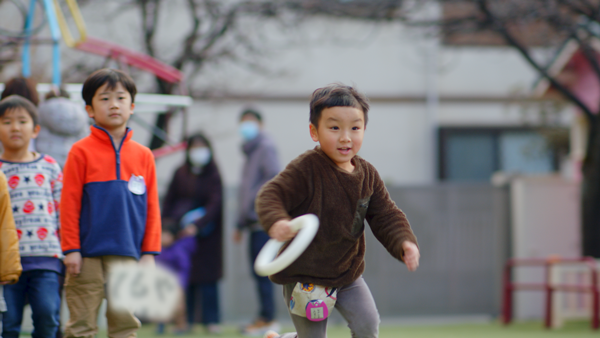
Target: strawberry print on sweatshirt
35, 189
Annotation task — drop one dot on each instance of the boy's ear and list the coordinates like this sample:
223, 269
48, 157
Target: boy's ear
132, 107
314, 134
36, 131
90, 110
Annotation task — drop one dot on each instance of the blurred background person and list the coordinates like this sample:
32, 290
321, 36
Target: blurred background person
63, 123
194, 204
176, 256
262, 164
25, 87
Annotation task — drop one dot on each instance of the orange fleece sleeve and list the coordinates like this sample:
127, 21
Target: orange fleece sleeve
70, 202
152, 243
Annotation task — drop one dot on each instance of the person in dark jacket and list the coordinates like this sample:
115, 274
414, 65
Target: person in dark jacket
194, 204
262, 164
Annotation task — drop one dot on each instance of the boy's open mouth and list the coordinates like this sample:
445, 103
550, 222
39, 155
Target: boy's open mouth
344, 150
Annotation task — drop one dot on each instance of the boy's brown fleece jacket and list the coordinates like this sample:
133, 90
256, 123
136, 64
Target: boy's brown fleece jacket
313, 183
10, 260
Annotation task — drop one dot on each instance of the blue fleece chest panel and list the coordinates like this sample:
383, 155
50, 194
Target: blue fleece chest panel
113, 220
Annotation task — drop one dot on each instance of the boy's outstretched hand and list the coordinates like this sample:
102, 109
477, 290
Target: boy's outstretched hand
282, 231
411, 255
73, 263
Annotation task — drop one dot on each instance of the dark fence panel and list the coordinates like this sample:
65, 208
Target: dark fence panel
463, 237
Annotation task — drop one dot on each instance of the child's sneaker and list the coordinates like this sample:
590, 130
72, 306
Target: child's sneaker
259, 328
271, 334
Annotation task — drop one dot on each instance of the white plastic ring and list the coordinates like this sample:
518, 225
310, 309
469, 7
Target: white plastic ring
266, 264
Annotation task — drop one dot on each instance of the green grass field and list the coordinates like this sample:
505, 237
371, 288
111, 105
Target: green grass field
492, 330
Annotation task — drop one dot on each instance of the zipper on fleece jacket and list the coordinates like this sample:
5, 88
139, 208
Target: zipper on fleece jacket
117, 151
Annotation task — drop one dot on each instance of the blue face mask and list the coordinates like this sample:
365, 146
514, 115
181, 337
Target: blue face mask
249, 130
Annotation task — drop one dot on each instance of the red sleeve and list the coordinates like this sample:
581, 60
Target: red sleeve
70, 201
152, 243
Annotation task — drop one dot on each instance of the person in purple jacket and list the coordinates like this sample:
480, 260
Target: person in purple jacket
194, 206
176, 257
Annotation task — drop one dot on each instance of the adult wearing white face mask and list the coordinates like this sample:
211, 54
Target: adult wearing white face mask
262, 164
193, 206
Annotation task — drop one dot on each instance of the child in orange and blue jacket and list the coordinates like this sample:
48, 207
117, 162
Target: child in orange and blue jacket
110, 211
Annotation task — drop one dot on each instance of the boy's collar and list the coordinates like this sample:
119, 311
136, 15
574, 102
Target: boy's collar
36, 159
104, 135
357, 168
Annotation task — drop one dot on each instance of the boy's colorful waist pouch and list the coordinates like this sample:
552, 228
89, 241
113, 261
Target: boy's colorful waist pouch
313, 302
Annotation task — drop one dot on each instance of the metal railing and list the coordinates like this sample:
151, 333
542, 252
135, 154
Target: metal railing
548, 287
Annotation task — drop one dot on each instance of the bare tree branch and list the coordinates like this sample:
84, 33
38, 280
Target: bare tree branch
588, 11
149, 10
511, 40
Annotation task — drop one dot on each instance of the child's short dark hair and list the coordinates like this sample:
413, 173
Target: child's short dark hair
252, 112
336, 95
17, 101
103, 76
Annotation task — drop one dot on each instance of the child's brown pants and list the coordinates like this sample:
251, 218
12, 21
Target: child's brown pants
84, 295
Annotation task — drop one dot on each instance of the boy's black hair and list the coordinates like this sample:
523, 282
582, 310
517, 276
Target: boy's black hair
17, 101
251, 112
336, 95
103, 76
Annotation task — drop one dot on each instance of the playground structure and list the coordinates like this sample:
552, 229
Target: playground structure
575, 277
124, 58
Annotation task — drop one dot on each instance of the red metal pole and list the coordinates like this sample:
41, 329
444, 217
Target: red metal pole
595, 299
507, 295
548, 287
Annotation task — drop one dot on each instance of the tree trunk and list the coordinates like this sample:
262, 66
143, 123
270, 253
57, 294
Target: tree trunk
590, 193
162, 119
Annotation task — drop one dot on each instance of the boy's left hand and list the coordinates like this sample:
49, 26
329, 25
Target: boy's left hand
147, 259
411, 255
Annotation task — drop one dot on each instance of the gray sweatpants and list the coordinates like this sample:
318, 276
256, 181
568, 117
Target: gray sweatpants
354, 302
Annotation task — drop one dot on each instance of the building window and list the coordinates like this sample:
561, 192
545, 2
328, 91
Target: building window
475, 154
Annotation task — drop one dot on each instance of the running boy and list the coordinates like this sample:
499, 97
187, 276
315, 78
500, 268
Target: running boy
35, 182
343, 190
110, 205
